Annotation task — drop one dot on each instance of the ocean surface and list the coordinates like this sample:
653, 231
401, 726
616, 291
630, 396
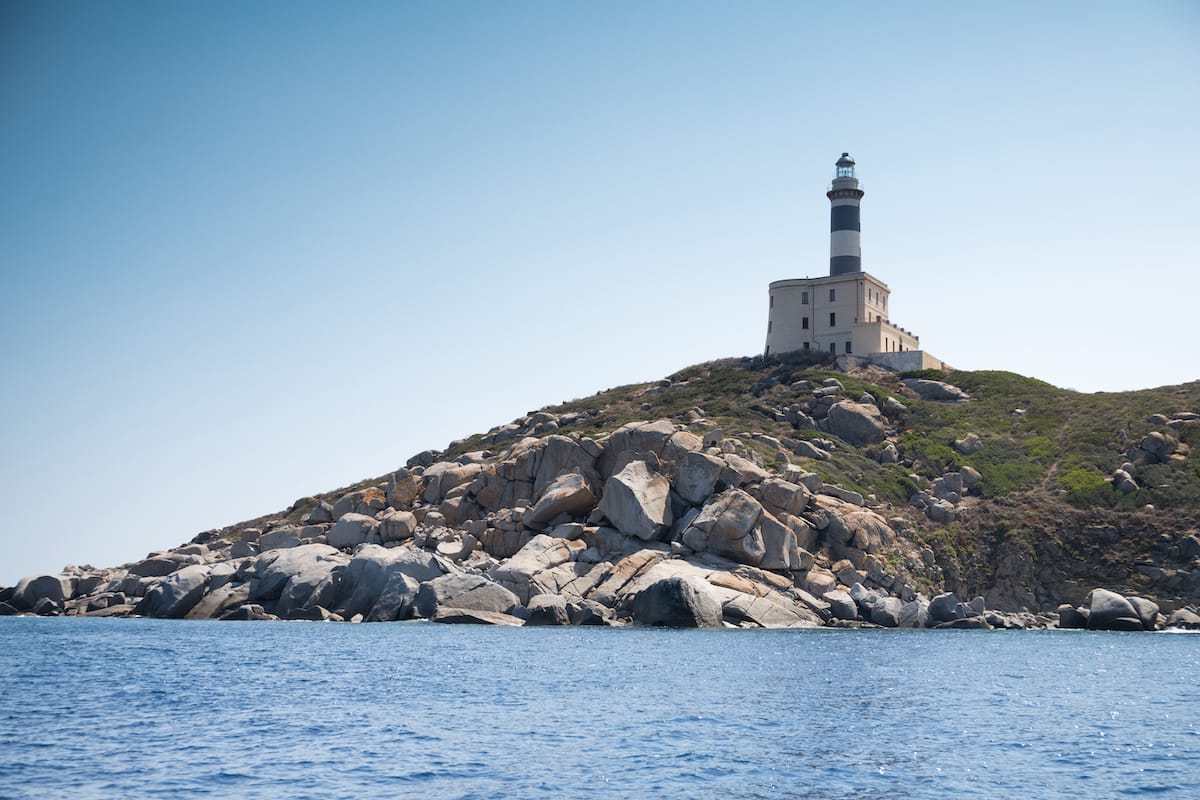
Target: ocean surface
111, 708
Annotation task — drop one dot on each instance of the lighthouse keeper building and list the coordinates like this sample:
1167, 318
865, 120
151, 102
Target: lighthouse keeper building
845, 313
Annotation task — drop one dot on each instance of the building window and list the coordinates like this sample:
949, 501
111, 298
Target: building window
772, 301
832, 320
833, 348
804, 323
804, 298
848, 348
769, 325
806, 345
832, 295
878, 318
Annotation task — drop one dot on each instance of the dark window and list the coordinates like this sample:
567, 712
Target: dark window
832, 295
806, 345
832, 347
769, 325
803, 323
804, 298
832, 320
772, 301
878, 318
848, 347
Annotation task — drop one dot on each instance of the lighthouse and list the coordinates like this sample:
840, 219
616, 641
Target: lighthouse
845, 227
847, 312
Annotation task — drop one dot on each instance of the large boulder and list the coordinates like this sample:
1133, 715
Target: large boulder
1109, 611
220, 601
460, 591
34, 588
397, 526
943, 608
781, 496
637, 437
442, 477
696, 476
156, 566
914, 614
351, 530
569, 495
938, 391
279, 538
371, 569
637, 501
857, 423
291, 578
780, 550
677, 602
728, 526
548, 609
175, 595
886, 611
403, 488
841, 604
1147, 611
397, 599
1184, 619
1070, 617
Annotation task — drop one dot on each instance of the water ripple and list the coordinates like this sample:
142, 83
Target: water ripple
148, 709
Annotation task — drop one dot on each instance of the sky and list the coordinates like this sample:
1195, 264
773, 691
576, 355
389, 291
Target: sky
255, 251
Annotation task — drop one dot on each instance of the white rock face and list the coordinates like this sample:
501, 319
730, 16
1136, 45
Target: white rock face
637, 501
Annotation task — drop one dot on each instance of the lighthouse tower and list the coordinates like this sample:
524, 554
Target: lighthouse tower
845, 228
844, 313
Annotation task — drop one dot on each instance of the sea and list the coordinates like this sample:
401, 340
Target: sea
137, 708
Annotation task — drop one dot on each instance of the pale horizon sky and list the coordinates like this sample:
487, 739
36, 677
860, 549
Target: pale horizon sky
255, 251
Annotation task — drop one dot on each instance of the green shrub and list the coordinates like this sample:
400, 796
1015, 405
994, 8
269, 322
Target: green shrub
1086, 487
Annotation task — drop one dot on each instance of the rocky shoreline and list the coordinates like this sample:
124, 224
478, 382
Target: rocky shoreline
665, 522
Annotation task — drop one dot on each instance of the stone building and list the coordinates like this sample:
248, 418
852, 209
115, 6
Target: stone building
845, 312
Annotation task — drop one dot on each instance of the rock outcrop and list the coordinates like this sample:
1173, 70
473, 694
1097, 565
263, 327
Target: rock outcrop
836, 513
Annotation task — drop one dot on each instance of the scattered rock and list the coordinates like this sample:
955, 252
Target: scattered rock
968, 445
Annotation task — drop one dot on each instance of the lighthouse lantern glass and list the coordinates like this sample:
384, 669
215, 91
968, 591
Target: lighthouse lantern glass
845, 171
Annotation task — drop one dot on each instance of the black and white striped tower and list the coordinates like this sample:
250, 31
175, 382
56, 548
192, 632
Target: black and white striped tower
845, 230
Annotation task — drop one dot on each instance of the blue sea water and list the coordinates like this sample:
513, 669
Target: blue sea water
111, 708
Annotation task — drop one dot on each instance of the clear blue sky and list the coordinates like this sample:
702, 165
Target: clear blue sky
253, 251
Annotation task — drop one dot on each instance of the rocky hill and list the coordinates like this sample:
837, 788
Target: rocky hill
776, 492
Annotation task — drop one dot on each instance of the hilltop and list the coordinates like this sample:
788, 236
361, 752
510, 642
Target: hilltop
783, 491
